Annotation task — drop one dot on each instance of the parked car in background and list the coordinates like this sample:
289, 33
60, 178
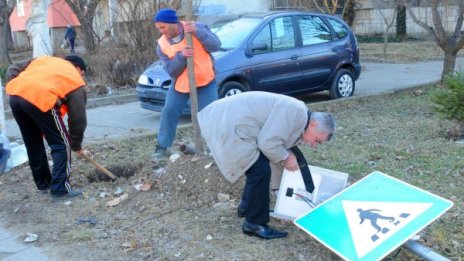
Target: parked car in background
286, 52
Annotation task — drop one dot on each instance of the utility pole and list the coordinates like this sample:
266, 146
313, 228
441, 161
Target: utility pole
193, 87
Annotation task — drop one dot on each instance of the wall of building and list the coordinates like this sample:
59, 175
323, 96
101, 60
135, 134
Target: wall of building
369, 21
212, 10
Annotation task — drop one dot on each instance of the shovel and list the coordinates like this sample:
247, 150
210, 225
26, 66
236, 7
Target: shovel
99, 167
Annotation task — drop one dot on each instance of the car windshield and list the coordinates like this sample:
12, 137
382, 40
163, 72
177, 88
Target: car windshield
232, 33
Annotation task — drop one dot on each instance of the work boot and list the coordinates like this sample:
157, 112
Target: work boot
160, 153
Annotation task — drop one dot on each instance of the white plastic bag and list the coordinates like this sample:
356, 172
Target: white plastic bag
65, 44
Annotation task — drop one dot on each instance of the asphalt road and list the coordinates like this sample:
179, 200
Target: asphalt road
115, 121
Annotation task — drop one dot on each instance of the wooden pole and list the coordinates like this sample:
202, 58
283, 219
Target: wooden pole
99, 167
193, 88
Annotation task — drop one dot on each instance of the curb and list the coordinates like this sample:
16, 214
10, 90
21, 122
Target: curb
120, 99
97, 102
385, 93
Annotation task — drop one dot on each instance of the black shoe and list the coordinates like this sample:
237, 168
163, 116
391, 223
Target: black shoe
241, 210
262, 231
70, 194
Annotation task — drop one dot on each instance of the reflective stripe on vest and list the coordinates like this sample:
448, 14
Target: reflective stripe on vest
203, 65
44, 81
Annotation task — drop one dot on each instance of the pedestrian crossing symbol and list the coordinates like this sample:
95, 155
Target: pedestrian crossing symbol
372, 217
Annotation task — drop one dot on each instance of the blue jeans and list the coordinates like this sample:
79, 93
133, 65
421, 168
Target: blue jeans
173, 107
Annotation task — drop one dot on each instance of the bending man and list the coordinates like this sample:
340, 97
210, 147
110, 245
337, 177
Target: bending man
41, 91
249, 132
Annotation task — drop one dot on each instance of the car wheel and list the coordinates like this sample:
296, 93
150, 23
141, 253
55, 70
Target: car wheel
343, 85
231, 88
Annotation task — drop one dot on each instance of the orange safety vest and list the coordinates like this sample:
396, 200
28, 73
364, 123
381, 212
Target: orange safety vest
44, 81
202, 63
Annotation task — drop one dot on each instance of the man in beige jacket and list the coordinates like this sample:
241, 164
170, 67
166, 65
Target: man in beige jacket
250, 132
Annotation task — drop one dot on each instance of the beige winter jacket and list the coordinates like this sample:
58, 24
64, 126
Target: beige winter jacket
236, 128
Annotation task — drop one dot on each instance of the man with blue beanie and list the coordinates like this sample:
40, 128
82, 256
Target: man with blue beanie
173, 51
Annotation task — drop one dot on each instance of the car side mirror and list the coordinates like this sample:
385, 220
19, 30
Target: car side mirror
259, 47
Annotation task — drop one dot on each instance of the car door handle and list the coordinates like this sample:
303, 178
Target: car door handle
337, 49
294, 57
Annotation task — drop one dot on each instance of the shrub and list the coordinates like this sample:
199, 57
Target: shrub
117, 66
449, 101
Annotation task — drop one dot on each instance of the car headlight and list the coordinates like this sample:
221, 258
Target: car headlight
144, 80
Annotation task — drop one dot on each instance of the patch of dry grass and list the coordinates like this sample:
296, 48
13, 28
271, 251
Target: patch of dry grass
405, 52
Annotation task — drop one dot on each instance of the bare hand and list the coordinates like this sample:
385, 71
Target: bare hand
291, 163
189, 27
187, 51
81, 153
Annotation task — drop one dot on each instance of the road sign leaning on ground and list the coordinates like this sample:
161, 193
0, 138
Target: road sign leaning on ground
372, 217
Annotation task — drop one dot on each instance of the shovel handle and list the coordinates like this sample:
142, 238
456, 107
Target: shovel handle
99, 167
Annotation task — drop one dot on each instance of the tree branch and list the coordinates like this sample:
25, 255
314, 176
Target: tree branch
436, 18
425, 26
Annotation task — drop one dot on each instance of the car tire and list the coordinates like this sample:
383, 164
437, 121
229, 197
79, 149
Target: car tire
231, 88
343, 84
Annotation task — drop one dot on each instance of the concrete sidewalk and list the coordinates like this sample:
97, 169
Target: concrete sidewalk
11, 249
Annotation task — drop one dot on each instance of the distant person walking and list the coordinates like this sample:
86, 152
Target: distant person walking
42, 91
173, 51
70, 36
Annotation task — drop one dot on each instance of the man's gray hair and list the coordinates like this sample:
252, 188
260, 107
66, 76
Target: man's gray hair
325, 123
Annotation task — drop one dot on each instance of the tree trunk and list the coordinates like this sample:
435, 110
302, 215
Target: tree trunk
5, 12
89, 39
449, 63
4, 56
385, 43
401, 22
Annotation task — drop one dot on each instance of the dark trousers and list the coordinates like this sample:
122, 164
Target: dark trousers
34, 125
71, 45
256, 191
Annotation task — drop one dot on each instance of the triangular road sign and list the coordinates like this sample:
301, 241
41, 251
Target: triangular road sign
372, 217
371, 223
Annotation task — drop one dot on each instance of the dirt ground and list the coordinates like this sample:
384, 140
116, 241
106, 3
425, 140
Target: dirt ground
188, 213
182, 211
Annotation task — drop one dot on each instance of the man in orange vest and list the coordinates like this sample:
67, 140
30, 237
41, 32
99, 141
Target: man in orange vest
42, 91
173, 51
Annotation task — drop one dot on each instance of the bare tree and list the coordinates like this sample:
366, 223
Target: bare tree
85, 12
6, 7
343, 7
139, 29
449, 42
388, 24
332, 6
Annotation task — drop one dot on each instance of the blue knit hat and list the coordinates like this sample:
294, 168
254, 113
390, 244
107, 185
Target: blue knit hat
166, 15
